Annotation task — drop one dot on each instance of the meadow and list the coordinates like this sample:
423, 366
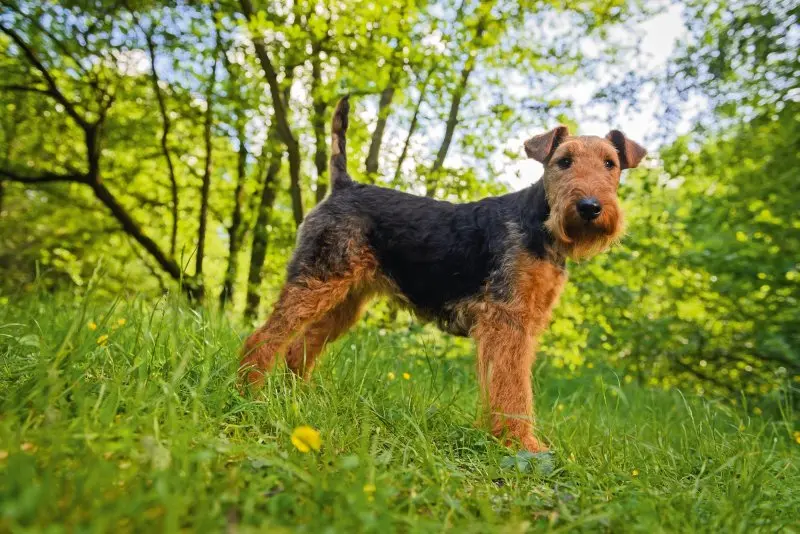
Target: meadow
125, 416
158, 158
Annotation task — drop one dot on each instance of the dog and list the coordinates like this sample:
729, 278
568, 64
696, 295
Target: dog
491, 269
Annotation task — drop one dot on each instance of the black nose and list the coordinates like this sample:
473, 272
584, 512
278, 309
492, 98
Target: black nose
589, 208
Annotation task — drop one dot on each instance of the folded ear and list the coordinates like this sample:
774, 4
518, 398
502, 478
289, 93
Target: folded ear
540, 147
630, 152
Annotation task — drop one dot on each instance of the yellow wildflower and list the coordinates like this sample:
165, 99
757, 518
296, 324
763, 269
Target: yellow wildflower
92, 326
28, 447
560, 407
369, 490
797, 436
3, 455
406, 376
121, 322
102, 340
390, 375
741, 427
635, 472
305, 438
757, 410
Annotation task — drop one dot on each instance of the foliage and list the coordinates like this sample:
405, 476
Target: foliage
127, 417
697, 291
116, 142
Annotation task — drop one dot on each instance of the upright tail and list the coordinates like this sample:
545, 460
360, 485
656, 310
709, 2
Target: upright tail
338, 167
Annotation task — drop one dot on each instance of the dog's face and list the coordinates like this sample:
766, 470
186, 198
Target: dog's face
581, 177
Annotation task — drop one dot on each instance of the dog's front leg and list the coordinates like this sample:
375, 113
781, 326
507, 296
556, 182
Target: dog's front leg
505, 357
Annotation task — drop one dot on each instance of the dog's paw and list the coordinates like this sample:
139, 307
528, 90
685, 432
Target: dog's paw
532, 444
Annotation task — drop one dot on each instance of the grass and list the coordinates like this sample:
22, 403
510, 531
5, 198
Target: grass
143, 430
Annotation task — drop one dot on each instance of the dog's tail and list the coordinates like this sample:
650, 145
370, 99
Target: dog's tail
338, 168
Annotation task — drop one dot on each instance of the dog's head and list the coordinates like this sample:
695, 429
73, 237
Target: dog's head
581, 177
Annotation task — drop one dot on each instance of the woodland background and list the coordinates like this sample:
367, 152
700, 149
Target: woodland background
176, 146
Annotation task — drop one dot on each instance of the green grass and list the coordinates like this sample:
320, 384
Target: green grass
148, 433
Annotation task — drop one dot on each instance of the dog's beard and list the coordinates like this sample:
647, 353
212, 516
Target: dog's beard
581, 239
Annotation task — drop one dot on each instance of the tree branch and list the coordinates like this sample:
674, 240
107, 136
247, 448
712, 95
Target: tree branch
414, 121
44, 178
51, 83
207, 167
165, 125
281, 116
25, 89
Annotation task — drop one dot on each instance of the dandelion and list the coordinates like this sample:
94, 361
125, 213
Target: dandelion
121, 322
102, 340
390, 375
92, 326
635, 473
305, 438
406, 376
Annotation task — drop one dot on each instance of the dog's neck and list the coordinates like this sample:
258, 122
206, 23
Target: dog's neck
531, 211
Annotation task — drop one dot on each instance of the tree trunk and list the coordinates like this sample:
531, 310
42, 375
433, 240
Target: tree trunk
450, 127
236, 220
452, 117
294, 188
414, 122
377, 134
206, 186
165, 125
279, 105
258, 251
318, 123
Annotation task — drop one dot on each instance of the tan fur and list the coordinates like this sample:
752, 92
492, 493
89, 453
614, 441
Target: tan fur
587, 177
505, 335
300, 304
303, 351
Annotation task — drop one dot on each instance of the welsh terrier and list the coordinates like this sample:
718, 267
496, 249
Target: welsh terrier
491, 269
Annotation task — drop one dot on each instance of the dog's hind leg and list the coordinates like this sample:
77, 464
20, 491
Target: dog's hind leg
302, 302
304, 350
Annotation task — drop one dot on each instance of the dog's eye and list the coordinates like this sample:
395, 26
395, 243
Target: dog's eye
609, 164
564, 163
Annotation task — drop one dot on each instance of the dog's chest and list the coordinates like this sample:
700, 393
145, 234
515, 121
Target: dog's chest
538, 285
